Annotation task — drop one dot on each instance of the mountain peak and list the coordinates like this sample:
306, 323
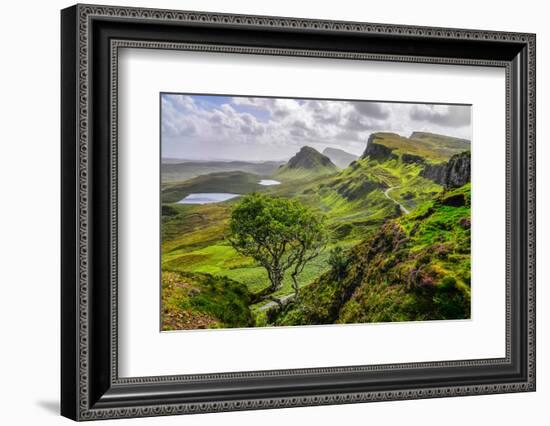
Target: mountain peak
306, 164
309, 158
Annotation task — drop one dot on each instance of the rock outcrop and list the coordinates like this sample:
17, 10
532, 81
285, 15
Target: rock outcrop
452, 174
309, 158
411, 158
377, 151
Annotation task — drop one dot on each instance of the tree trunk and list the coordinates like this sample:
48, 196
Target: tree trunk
295, 286
261, 295
276, 279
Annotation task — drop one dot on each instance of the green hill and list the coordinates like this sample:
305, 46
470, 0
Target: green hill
308, 163
370, 191
412, 268
395, 213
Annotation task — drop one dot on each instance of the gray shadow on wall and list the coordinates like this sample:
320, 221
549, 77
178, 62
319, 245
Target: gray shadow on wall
50, 406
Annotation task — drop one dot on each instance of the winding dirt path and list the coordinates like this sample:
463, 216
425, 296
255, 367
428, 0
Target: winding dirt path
387, 195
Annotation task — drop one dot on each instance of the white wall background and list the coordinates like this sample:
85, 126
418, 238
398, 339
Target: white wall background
29, 213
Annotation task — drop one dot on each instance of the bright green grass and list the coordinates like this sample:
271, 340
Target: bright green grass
194, 237
410, 190
416, 267
222, 260
288, 174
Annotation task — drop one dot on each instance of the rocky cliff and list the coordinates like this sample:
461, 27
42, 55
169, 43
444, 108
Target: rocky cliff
377, 151
451, 174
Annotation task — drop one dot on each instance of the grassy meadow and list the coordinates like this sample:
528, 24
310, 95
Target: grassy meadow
397, 245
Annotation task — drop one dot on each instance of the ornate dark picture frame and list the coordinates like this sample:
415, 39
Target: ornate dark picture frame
91, 37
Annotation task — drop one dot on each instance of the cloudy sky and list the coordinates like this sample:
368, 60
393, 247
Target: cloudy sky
205, 127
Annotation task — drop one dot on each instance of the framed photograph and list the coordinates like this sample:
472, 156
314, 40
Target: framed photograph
263, 212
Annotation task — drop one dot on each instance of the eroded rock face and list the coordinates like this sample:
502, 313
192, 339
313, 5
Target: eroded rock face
452, 174
411, 158
377, 152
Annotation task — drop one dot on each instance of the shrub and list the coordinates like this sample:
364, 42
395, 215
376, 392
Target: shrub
338, 262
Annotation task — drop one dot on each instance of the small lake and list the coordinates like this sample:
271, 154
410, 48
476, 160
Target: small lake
269, 182
207, 198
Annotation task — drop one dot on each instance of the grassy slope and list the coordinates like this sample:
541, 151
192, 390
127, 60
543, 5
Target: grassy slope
353, 200
286, 173
308, 163
193, 301
356, 195
416, 267
194, 241
194, 235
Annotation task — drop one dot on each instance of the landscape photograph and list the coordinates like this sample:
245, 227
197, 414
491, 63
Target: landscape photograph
297, 211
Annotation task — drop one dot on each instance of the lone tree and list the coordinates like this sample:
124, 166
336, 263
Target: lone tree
280, 234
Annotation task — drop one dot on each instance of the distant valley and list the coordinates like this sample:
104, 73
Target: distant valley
179, 170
